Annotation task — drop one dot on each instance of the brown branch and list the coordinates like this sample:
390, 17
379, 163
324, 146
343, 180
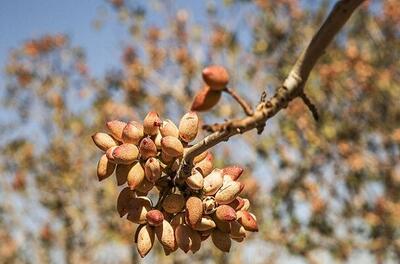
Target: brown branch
246, 107
292, 86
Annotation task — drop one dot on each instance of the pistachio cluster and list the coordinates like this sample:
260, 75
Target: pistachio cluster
206, 204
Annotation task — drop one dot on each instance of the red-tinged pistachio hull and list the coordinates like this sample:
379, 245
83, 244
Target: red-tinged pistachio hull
116, 127
104, 141
206, 165
138, 209
237, 204
247, 221
234, 172
151, 124
125, 154
216, 77
154, 217
205, 99
109, 154
104, 168
225, 213
147, 148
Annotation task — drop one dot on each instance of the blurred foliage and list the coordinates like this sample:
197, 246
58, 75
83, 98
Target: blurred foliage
331, 186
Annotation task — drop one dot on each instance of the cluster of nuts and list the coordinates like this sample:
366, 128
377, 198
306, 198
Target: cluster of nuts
207, 203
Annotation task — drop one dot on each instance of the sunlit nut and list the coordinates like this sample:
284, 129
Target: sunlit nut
154, 217
125, 153
205, 223
151, 123
247, 221
195, 181
228, 192
173, 203
166, 236
213, 182
234, 172
246, 205
138, 209
209, 205
147, 148
194, 210
145, 186
157, 140
168, 128
206, 165
205, 99
104, 141
116, 127
200, 157
172, 146
237, 230
124, 201
145, 240
104, 168
189, 126
178, 219
152, 169
109, 154
132, 133
216, 77
187, 239
135, 176
224, 226
237, 204
221, 240
225, 213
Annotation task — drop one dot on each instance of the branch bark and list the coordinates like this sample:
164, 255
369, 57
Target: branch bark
291, 88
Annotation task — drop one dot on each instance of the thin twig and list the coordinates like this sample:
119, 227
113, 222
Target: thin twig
291, 88
246, 107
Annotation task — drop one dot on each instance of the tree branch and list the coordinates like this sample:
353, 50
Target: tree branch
246, 107
291, 88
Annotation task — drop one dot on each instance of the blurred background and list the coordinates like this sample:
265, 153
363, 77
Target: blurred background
323, 192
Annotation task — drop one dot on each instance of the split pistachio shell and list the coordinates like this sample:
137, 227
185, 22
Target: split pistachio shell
234, 172
228, 192
195, 181
206, 165
121, 173
104, 141
237, 230
138, 209
124, 201
172, 146
213, 182
247, 220
168, 128
145, 186
116, 127
147, 148
132, 133
166, 236
104, 168
205, 223
152, 169
151, 123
